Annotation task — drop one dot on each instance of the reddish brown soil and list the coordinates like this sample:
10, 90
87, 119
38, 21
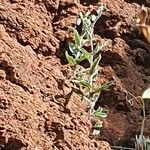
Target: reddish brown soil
37, 111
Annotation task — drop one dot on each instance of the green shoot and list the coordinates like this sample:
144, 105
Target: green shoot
84, 78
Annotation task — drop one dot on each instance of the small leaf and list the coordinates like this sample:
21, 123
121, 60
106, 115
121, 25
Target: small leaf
104, 87
87, 54
70, 59
94, 97
94, 67
76, 36
78, 54
78, 21
78, 72
146, 94
85, 84
100, 113
84, 56
98, 125
93, 18
88, 21
100, 10
81, 15
98, 48
72, 48
95, 76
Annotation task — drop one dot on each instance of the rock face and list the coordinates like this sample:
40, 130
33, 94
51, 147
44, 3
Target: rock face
37, 111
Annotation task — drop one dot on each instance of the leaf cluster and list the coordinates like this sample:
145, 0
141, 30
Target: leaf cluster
84, 79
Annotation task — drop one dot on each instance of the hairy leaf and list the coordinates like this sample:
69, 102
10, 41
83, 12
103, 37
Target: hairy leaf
93, 17
100, 113
94, 67
78, 21
97, 126
76, 36
103, 87
100, 10
98, 48
94, 97
70, 59
85, 84
72, 48
78, 55
84, 56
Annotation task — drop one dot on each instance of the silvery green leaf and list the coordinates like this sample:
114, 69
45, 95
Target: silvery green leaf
94, 97
76, 36
146, 94
103, 87
88, 21
78, 54
94, 77
81, 15
86, 54
72, 48
100, 113
98, 48
88, 33
78, 73
93, 17
70, 59
85, 84
100, 10
78, 21
98, 125
78, 76
81, 58
94, 67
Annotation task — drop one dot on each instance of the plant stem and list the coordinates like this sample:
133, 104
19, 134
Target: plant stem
92, 47
91, 61
91, 78
144, 117
122, 148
